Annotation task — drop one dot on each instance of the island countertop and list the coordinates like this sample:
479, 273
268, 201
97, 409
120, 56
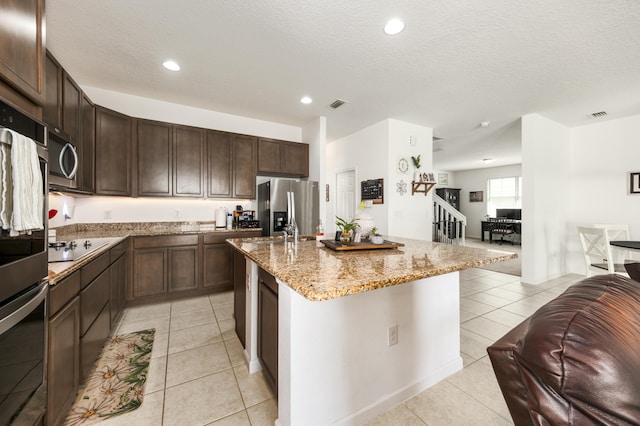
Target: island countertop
319, 273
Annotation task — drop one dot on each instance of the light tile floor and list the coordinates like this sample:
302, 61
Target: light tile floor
197, 374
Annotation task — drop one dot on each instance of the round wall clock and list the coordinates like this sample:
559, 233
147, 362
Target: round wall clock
403, 165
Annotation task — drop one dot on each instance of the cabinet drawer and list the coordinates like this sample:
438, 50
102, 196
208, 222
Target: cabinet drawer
220, 237
63, 292
89, 272
117, 251
165, 241
92, 300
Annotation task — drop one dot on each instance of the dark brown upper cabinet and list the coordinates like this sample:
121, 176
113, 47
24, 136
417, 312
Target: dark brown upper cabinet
282, 158
245, 158
170, 160
113, 152
154, 151
231, 165
219, 172
188, 161
22, 52
88, 145
52, 108
71, 99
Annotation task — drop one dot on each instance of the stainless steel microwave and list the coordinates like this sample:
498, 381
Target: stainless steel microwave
63, 160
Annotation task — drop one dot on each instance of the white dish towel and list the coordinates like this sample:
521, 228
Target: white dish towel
26, 185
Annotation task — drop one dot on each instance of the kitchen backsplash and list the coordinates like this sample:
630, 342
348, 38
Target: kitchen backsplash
122, 209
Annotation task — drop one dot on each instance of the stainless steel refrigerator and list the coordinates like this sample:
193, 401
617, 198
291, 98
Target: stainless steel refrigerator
275, 207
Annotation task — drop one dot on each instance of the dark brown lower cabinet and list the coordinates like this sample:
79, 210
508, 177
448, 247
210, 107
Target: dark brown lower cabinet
217, 266
93, 340
268, 328
118, 281
240, 295
165, 264
64, 361
82, 308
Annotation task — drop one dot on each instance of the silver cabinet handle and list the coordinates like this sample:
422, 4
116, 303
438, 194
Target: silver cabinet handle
71, 174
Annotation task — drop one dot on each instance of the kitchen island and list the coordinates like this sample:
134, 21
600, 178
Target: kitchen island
337, 312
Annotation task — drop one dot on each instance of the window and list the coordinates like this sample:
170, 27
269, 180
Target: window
504, 193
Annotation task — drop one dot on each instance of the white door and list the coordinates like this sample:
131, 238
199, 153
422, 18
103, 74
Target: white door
346, 194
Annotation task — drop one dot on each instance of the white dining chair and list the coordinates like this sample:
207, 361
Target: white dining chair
598, 253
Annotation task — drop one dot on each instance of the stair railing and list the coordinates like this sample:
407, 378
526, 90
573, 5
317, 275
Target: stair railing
449, 225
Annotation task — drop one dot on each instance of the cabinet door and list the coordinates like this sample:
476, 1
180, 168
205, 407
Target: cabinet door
295, 159
188, 162
268, 328
217, 266
244, 166
88, 144
154, 163
52, 108
71, 108
63, 362
113, 153
22, 50
183, 268
219, 177
91, 343
118, 279
269, 156
240, 295
149, 272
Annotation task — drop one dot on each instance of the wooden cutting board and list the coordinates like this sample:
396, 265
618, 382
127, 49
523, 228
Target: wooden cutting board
364, 245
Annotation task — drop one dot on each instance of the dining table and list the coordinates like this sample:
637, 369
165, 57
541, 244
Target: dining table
633, 268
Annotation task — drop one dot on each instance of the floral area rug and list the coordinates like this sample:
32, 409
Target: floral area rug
116, 384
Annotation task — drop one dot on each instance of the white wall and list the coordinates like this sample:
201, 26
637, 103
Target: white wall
153, 109
315, 134
373, 153
410, 216
476, 180
365, 152
545, 203
601, 156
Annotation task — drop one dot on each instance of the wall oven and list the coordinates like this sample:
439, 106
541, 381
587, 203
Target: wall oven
63, 160
23, 299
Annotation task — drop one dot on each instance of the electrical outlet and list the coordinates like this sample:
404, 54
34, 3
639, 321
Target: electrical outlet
107, 214
392, 335
176, 213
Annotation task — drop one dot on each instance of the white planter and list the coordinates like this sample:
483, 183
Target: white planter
376, 239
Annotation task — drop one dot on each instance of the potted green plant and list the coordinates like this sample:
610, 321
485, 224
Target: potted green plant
375, 237
347, 228
417, 165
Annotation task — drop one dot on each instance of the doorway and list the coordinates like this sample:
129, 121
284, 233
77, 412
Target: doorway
346, 194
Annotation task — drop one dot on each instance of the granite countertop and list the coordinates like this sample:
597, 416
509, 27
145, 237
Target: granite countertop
319, 273
114, 233
61, 270
99, 230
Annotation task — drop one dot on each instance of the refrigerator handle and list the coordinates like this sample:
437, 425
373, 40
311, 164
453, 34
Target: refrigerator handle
293, 205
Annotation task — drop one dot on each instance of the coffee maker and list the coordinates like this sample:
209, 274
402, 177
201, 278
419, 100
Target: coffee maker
245, 218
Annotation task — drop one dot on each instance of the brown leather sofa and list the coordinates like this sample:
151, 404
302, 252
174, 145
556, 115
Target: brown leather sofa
575, 361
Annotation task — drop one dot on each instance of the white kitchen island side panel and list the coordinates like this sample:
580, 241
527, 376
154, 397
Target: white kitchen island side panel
335, 366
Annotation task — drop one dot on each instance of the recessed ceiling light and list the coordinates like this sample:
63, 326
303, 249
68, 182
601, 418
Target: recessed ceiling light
171, 65
394, 26
306, 100
488, 160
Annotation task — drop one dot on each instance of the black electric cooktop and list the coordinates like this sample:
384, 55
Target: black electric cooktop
68, 251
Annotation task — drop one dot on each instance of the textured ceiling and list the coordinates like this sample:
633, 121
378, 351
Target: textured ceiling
456, 64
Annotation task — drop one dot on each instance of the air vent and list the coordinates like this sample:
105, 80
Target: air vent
598, 114
337, 103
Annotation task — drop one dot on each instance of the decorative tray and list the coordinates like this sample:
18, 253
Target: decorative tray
365, 245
